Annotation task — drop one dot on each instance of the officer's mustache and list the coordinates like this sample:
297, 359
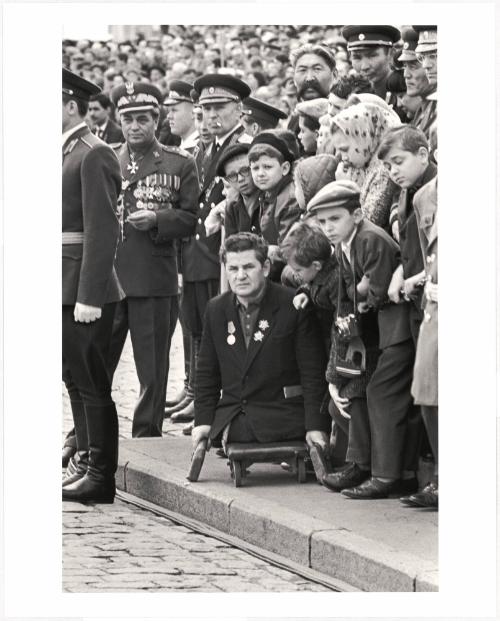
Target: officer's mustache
313, 83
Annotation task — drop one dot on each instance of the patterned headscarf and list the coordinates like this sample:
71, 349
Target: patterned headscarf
366, 123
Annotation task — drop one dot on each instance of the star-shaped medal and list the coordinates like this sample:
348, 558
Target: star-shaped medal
263, 324
132, 167
258, 336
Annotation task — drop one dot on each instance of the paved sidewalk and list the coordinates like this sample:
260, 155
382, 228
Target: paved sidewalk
372, 545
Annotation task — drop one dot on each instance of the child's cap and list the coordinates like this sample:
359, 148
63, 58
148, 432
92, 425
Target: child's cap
313, 107
344, 194
273, 140
230, 153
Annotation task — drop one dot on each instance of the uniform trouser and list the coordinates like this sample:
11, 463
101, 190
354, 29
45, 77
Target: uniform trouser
395, 422
85, 349
151, 322
430, 416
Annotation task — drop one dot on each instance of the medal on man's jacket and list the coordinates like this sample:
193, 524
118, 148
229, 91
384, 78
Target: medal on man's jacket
231, 339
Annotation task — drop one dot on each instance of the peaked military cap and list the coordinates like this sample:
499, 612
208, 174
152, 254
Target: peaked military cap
410, 40
261, 111
427, 39
220, 88
178, 90
136, 96
369, 36
75, 85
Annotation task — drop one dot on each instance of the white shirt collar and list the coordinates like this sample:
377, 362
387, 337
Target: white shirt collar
104, 125
190, 141
67, 134
346, 246
220, 139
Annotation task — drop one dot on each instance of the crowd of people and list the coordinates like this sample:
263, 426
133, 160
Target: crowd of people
288, 176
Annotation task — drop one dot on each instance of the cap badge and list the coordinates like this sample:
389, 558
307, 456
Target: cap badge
406, 45
129, 86
361, 37
211, 90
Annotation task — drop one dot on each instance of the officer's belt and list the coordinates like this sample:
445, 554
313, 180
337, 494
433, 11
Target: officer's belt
72, 238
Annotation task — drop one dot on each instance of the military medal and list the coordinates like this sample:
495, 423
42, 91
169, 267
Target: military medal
231, 328
231, 339
258, 336
132, 167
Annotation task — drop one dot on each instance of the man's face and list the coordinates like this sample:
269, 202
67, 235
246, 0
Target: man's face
201, 126
307, 137
238, 176
245, 273
267, 172
406, 168
138, 128
66, 116
415, 78
335, 104
251, 127
313, 78
155, 75
221, 117
346, 147
429, 63
337, 223
180, 117
371, 62
97, 114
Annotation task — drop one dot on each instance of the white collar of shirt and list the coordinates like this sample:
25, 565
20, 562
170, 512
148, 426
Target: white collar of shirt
190, 141
346, 246
220, 139
103, 126
67, 135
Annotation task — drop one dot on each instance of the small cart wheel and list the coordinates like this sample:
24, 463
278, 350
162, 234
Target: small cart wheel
237, 472
301, 470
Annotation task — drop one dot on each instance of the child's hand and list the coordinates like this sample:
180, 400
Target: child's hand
301, 300
431, 291
342, 171
363, 307
397, 283
340, 402
363, 286
273, 253
395, 230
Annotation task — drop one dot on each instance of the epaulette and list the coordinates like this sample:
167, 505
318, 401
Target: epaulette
90, 146
175, 150
70, 147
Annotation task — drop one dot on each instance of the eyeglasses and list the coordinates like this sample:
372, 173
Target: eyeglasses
432, 56
232, 177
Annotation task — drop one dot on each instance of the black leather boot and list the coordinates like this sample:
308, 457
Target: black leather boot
81, 458
98, 484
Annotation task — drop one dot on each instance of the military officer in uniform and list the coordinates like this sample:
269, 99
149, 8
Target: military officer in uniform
91, 184
426, 55
159, 194
220, 97
259, 116
180, 115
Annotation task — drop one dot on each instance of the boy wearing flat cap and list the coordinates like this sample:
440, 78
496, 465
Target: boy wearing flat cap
367, 258
370, 51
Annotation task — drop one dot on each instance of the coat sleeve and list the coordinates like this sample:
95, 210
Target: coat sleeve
287, 212
101, 185
230, 223
311, 359
379, 258
181, 221
208, 377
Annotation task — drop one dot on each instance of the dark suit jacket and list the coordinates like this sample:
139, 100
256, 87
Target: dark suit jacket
291, 353
166, 182
238, 220
375, 254
113, 133
200, 255
91, 185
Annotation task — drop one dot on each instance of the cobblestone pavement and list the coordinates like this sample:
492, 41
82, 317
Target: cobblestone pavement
122, 548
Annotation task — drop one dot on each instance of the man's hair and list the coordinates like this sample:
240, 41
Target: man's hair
264, 124
311, 48
239, 242
406, 137
433, 137
103, 99
310, 122
305, 243
259, 150
83, 106
346, 85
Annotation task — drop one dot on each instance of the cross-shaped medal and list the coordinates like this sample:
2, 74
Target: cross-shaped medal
132, 167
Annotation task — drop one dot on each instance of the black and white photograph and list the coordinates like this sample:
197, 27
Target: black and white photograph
251, 364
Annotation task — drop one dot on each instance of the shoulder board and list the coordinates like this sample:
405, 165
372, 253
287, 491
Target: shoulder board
115, 145
71, 146
90, 146
175, 150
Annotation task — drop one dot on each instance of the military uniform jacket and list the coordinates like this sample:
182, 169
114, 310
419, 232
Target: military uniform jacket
200, 255
166, 182
375, 254
91, 185
286, 351
425, 115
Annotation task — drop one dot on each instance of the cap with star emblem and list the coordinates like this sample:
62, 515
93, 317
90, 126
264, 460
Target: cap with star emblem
260, 111
410, 40
135, 97
427, 39
75, 85
178, 91
220, 88
370, 36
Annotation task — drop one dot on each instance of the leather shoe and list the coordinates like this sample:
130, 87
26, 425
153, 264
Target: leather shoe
373, 488
428, 497
185, 415
188, 429
88, 490
349, 477
169, 403
180, 406
67, 454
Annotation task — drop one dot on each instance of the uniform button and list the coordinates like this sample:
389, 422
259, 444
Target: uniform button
201, 205
244, 401
197, 236
200, 221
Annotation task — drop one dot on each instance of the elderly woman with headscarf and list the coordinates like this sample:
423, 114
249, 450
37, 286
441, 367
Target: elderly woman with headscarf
356, 135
